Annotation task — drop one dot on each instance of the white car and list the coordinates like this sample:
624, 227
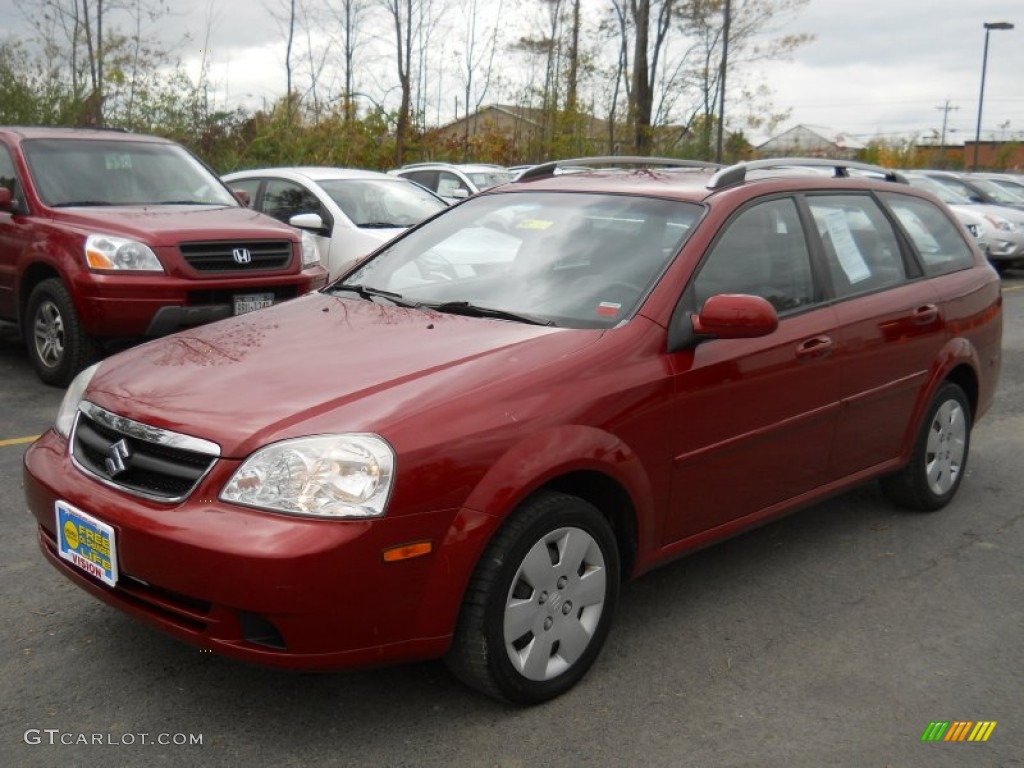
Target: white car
455, 182
349, 212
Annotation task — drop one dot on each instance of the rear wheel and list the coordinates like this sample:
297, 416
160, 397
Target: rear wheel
540, 603
57, 345
933, 475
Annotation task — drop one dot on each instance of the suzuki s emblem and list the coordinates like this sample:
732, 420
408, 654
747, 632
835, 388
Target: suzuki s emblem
117, 455
241, 256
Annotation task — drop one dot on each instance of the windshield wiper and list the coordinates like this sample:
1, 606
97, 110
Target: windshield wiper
83, 203
368, 293
183, 202
382, 225
475, 310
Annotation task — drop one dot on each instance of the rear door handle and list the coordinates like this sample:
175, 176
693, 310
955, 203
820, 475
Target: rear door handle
926, 314
819, 346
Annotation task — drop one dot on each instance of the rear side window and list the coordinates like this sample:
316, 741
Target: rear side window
762, 252
860, 245
936, 238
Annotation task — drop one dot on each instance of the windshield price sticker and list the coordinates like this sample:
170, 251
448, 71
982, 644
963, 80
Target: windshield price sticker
86, 543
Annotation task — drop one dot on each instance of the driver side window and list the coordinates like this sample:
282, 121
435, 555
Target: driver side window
9, 177
762, 252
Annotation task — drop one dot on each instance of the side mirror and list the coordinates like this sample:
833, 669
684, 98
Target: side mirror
735, 316
241, 196
310, 221
459, 193
6, 201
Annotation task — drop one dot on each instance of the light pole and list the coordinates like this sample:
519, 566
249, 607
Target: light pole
989, 26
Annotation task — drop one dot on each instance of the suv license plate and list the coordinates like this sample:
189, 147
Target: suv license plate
250, 302
86, 543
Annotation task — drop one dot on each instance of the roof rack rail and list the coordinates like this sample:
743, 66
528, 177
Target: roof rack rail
736, 174
548, 168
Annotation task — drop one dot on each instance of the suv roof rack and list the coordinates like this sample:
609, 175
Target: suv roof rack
548, 168
736, 174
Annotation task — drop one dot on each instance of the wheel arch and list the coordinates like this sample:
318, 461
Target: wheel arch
581, 461
33, 275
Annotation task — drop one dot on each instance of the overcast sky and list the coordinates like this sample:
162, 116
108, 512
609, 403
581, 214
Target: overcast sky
875, 67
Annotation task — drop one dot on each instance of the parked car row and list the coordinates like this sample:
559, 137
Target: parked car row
107, 235
465, 445
992, 209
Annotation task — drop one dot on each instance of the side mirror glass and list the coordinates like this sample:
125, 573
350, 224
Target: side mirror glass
735, 316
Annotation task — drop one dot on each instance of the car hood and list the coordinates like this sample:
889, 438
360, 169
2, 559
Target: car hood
317, 364
172, 224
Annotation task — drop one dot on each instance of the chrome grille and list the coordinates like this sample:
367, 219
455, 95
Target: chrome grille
219, 255
139, 458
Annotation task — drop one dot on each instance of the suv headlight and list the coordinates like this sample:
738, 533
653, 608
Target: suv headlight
69, 405
310, 255
109, 252
336, 476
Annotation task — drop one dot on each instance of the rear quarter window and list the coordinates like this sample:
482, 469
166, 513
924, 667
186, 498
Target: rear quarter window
937, 239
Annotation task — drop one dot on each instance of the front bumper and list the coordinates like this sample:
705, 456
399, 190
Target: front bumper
272, 589
111, 305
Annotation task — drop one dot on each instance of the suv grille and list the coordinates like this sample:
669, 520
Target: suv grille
144, 460
230, 255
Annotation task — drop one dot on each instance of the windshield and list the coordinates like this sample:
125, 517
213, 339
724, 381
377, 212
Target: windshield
69, 172
1013, 187
997, 192
945, 193
574, 260
382, 202
489, 179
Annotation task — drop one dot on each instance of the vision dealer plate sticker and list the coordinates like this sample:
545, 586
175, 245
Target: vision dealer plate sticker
86, 543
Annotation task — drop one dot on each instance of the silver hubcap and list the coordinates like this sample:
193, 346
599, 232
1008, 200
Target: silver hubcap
947, 441
49, 334
555, 603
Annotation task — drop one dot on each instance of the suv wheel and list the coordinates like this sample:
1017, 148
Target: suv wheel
937, 465
540, 603
57, 345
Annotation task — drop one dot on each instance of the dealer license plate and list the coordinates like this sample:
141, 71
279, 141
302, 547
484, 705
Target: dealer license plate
86, 543
250, 302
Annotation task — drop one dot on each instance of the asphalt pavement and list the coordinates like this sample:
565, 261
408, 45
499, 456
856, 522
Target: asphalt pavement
831, 638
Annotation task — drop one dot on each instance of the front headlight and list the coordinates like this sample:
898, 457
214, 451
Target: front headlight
337, 476
999, 222
310, 255
69, 405
109, 252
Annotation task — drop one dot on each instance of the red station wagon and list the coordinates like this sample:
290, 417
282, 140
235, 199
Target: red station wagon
464, 446
107, 235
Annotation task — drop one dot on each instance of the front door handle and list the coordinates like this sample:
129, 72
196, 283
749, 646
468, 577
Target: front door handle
819, 346
926, 314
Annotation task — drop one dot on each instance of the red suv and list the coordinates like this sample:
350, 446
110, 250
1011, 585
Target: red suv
465, 445
106, 234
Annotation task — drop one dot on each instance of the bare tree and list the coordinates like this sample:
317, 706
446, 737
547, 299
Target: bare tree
401, 15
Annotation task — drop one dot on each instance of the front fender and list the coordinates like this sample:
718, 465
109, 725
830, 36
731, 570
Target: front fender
544, 456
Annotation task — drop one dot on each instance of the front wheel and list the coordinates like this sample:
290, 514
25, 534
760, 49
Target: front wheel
933, 475
57, 345
540, 603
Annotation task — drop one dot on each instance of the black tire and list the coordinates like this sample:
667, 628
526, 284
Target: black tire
57, 345
941, 448
480, 656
